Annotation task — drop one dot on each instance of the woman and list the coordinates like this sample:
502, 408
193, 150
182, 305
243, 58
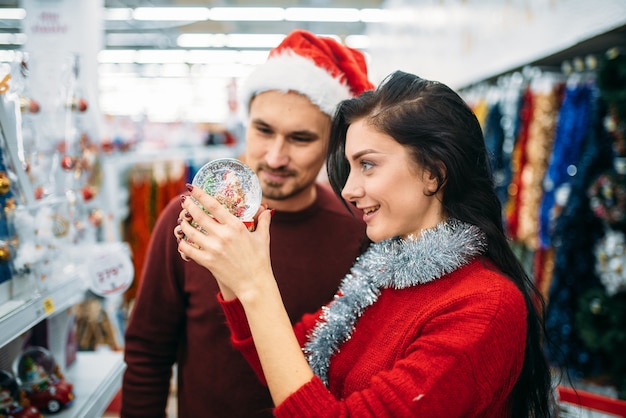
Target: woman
437, 318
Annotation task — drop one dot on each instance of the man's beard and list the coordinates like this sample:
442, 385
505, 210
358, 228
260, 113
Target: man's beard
280, 190
276, 191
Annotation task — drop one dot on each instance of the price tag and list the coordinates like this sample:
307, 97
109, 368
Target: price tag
48, 305
111, 270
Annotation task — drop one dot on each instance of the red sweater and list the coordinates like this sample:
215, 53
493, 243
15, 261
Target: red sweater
176, 317
453, 347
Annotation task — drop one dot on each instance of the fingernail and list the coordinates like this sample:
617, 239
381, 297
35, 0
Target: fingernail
272, 212
187, 215
182, 255
179, 221
189, 187
182, 198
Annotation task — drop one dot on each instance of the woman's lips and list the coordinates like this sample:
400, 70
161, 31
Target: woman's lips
369, 212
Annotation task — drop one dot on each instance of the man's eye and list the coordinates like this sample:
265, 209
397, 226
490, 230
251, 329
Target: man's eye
301, 139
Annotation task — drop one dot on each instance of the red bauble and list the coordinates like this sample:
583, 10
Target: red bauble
81, 105
88, 193
39, 192
67, 162
33, 106
107, 146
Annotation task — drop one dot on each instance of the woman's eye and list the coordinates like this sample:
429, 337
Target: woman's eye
366, 165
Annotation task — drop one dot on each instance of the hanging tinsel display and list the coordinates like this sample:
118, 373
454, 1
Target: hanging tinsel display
586, 313
518, 163
572, 127
607, 194
494, 140
576, 232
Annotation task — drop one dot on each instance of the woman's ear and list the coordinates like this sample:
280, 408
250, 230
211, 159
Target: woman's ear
435, 180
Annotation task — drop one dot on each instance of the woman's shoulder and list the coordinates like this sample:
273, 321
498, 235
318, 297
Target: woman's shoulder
482, 283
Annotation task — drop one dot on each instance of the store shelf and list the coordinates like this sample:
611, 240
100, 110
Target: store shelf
97, 376
590, 405
23, 315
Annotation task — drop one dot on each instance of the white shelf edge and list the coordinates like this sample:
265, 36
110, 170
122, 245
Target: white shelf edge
33, 311
96, 376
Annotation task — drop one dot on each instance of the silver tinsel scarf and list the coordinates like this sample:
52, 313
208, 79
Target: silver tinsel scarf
395, 263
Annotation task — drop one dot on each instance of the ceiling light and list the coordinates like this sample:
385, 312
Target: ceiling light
375, 15
12, 39
254, 40
247, 13
12, 13
233, 40
201, 40
211, 57
157, 56
247, 57
122, 13
113, 56
229, 70
321, 14
192, 14
134, 39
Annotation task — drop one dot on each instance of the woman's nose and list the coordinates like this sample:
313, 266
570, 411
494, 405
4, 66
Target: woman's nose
352, 189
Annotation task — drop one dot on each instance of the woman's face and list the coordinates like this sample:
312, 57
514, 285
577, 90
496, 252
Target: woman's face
389, 187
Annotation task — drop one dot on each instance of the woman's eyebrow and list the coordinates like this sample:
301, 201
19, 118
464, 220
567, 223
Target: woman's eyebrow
361, 153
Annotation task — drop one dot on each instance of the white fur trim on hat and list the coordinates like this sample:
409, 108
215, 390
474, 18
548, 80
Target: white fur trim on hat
292, 72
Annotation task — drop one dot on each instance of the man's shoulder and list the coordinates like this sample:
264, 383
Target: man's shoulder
329, 201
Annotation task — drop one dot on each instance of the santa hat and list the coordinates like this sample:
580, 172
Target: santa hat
320, 68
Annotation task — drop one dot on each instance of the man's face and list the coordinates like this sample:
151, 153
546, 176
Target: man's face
286, 141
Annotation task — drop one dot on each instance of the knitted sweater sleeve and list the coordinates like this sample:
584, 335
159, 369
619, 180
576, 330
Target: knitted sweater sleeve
241, 337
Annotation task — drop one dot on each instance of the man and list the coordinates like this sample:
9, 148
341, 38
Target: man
315, 239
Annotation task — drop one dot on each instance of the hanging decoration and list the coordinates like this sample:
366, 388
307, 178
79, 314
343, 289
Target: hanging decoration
561, 135
601, 315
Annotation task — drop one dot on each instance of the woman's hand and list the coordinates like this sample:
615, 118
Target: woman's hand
239, 259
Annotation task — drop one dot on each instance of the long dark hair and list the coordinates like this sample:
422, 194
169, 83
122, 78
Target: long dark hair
446, 139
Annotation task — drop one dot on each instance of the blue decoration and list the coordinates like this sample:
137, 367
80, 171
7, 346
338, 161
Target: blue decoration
572, 128
7, 233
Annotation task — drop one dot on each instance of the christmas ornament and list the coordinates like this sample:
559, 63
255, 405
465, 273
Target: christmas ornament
5, 183
233, 184
42, 380
610, 255
13, 402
